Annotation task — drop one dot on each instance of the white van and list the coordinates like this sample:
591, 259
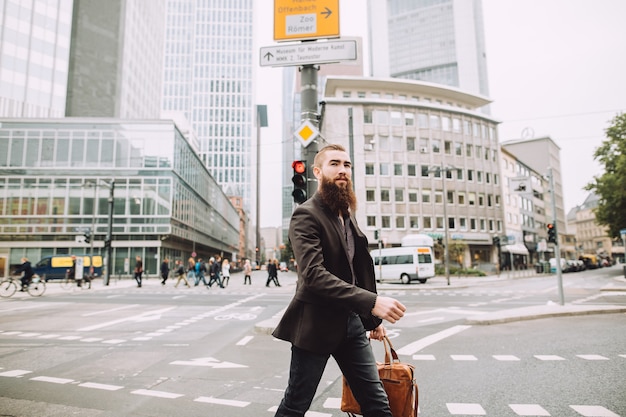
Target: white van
406, 264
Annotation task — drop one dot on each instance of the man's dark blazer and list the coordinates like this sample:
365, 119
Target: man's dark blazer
316, 318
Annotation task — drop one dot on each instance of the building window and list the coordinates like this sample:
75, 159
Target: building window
450, 199
412, 197
473, 224
347, 94
409, 119
381, 117
370, 195
470, 175
423, 145
445, 123
482, 225
371, 221
439, 221
384, 195
396, 144
399, 194
436, 145
461, 198
396, 118
481, 200
369, 168
400, 222
435, 122
424, 171
413, 222
425, 196
447, 147
385, 222
422, 120
397, 169
367, 116
468, 150
471, 199
411, 170
438, 197
479, 176
459, 174
462, 223
410, 143
384, 169
428, 222
458, 148
451, 223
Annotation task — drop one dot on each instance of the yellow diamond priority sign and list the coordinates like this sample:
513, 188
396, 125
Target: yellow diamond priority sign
306, 133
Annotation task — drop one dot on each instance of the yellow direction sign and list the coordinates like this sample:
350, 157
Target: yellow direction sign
306, 19
306, 133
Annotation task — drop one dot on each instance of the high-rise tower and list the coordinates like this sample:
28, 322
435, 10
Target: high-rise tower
440, 41
208, 77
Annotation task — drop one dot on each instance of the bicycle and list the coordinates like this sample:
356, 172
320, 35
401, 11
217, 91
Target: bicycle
69, 282
35, 288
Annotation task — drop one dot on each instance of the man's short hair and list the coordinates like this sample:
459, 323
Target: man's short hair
317, 161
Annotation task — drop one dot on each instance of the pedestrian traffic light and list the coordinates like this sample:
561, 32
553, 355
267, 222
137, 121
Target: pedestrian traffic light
496, 240
87, 236
299, 181
551, 232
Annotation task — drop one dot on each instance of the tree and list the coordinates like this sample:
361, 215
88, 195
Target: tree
457, 251
611, 185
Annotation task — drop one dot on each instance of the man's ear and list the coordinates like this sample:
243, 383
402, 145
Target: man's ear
317, 172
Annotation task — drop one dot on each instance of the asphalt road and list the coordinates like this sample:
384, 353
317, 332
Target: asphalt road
165, 351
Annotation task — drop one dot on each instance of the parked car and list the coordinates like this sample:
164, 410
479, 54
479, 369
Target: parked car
283, 267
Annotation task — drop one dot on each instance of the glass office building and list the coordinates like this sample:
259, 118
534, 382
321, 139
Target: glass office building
34, 57
55, 183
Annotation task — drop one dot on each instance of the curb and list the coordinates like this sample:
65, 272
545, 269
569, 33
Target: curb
540, 312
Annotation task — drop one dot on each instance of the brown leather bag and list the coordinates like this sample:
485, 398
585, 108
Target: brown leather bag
399, 382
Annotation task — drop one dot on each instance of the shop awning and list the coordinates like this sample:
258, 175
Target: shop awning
516, 249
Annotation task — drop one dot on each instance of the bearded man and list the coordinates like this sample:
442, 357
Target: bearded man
335, 302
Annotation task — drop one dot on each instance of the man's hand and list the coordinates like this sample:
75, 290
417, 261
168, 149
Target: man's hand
388, 308
378, 333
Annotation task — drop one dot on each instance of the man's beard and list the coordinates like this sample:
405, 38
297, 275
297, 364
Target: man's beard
338, 199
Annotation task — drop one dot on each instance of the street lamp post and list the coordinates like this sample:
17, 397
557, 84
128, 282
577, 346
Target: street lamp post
109, 233
446, 261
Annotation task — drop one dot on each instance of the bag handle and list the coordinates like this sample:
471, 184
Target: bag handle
390, 353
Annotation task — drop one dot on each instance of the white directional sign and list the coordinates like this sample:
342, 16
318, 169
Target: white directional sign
308, 53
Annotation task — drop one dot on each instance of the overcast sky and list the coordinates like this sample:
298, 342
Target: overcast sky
556, 68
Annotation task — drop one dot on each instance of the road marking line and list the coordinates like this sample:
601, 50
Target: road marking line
91, 339
141, 317
424, 357
30, 334
244, 341
110, 310
49, 336
549, 358
52, 379
158, 394
464, 357
105, 387
506, 358
17, 373
70, 338
334, 403
418, 345
466, 409
114, 341
593, 357
431, 319
529, 410
593, 411
220, 401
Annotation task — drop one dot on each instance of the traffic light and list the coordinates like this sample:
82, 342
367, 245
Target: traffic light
107, 243
87, 236
551, 232
496, 240
299, 181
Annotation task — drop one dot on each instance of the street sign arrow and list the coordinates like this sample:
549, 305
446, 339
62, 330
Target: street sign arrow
327, 12
209, 362
322, 52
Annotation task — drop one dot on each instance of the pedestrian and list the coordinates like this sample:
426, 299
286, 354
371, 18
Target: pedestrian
335, 300
191, 270
180, 273
225, 272
275, 271
214, 271
138, 270
27, 273
247, 272
200, 270
272, 274
165, 270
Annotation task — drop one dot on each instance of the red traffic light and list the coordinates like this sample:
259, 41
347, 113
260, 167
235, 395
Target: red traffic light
299, 167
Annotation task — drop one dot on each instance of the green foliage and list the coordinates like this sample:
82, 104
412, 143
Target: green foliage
440, 270
611, 185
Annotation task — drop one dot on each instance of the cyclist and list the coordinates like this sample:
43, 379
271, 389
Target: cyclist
27, 271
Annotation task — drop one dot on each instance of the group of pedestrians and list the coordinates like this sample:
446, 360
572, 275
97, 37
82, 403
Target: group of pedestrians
218, 271
196, 271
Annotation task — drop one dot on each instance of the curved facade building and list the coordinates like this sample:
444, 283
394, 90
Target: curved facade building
426, 160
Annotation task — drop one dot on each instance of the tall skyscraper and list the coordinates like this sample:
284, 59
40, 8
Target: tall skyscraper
34, 56
208, 77
116, 59
440, 41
